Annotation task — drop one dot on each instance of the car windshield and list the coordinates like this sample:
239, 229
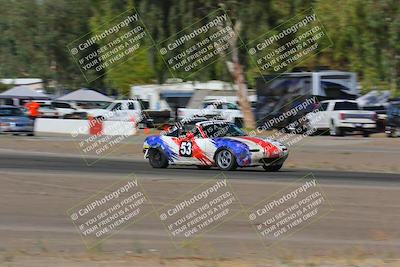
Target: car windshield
6, 112
394, 110
222, 129
345, 105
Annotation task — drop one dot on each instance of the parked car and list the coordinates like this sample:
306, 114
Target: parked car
128, 110
119, 110
14, 121
213, 143
211, 108
69, 110
393, 119
47, 110
342, 116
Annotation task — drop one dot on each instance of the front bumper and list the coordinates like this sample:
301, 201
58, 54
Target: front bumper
273, 161
260, 159
16, 129
351, 126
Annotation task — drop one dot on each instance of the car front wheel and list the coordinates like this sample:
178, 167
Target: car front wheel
157, 159
225, 160
366, 133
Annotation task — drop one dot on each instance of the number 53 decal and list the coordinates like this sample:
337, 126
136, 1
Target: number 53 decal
185, 150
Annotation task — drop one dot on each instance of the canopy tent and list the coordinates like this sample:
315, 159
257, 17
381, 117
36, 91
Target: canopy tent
85, 95
23, 92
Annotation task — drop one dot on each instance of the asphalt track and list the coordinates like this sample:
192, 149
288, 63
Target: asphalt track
36, 190
50, 163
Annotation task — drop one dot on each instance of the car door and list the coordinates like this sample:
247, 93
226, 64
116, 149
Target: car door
191, 147
133, 111
63, 108
122, 113
231, 111
185, 145
115, 115
321, 118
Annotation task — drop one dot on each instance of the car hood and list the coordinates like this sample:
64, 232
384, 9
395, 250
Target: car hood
15, 119
268, 146
43, 109
96, 112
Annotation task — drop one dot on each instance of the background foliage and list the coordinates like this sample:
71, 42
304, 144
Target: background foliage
34, 35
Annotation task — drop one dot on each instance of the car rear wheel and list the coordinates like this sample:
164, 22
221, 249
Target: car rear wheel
157, 159
335, 131
272, 168
396, 132
225, 160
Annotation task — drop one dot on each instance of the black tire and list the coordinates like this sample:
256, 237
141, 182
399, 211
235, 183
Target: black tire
396, 132
157, 159
238, 122
225, 160
335, 131
366, 134
272, 168
203, 167
31, 134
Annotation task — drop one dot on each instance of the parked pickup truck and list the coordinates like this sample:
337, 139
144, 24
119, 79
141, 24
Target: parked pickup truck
69, 110
393, 119
214, 109
341, 116
130, 110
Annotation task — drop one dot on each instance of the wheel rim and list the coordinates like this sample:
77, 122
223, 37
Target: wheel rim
224, 159
156, 158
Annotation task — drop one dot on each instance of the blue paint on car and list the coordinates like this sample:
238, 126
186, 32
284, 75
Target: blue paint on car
239, 149
157, 142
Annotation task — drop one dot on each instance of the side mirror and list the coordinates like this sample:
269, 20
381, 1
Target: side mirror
189, 135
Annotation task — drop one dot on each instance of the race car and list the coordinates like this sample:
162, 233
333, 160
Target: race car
213, 143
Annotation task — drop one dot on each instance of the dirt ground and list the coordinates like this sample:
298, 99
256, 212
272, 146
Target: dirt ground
19, 259
361, 226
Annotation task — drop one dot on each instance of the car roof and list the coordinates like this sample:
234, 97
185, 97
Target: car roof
339, 100
8, 106
219, 101
205, 123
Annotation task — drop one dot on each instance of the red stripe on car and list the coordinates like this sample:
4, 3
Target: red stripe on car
269, 149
